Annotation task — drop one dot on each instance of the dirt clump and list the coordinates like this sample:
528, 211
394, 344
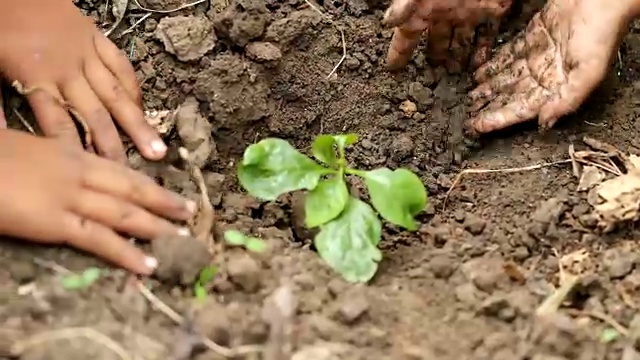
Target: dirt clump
187, 37
242, 21
180, 258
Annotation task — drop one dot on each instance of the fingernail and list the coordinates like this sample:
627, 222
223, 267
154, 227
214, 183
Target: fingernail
191, 206
151, 262
158, 147
184, 232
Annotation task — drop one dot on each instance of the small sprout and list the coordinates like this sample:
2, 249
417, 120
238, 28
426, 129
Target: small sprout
82, 280
350, 229
609, 335
253, 244
206, 276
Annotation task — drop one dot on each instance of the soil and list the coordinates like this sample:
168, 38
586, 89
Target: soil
466, 286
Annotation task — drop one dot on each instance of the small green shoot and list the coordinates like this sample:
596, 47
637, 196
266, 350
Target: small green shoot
350, 229
206, 276
236, 238
83, 280
609, 335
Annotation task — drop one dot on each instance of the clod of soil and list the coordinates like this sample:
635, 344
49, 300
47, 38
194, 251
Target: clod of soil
195, 132
180, 259
186, 37
242, 21
263, 51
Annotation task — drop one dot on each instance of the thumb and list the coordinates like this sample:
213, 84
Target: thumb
399, 12
580, 83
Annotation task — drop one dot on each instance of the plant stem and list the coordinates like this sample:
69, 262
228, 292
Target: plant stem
354, 172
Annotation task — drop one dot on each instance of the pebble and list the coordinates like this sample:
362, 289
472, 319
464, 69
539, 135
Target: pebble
441, 266
618, 262
352, 307
408, 107
485, 273
474, 224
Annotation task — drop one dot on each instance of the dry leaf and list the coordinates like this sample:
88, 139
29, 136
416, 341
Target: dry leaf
591, 176
618, 200
118, 9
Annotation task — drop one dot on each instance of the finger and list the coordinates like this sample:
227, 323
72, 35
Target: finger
103, 131
128, 115
486, 35
118, 63
3, 119
120, 181
440, 34
520, 107
53, 119
460, 48
124, 216
404, 41
581, 82
504, 57
503, 83
399, 12
103, 242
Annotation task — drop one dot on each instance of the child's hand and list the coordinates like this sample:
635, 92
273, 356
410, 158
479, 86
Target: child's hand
51, 45
52, 193
457, 30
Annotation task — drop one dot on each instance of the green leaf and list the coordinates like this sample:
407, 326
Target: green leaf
326, 201
255, 245
323, 150
323, 147
609, 335
207, 274
397, 195
349, 242
199, 291
273, 167
235, 237
345, 140
82, 280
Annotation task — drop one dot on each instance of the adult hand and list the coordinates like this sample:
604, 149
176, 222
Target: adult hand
55, 194
52, 46
451, 27
549, 70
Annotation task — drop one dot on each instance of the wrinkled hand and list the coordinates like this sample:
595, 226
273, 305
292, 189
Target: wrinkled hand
51, 45
548, 70
451, 27
52, 193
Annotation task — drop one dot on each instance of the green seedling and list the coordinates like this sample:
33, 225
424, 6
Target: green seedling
609, 335
83, 280
206, 276
236, 238
350, 229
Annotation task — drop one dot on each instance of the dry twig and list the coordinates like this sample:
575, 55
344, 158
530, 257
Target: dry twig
21, 346
602, 317
344, 43
178, 319
205, 219
24, 121
507, 170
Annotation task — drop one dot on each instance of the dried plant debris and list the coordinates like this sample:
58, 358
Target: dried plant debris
613, 181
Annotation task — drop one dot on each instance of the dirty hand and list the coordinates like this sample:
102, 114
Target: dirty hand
548, 70
55, 194
451, 29
52, 46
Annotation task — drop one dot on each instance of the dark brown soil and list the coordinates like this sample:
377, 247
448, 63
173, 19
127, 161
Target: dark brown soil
465, 287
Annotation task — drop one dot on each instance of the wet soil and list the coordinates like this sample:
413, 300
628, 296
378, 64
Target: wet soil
466, 286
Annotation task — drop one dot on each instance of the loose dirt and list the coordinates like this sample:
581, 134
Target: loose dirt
466, 286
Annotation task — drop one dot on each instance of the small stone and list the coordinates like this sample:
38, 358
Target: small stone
408, 107
352, 307
263, 51
245, 272
351, 63
421, 94
485, 273
618, 262
474, 224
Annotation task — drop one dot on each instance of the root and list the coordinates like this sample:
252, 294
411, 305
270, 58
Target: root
507, 170
205, 219
178, 319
